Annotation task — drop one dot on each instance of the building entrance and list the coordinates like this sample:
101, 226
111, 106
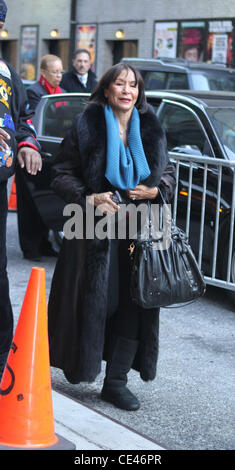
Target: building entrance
124, 49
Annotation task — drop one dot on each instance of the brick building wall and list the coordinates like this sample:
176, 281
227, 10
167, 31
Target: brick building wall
46, 14
135, 17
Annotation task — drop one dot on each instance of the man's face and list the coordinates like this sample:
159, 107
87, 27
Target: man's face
82, 63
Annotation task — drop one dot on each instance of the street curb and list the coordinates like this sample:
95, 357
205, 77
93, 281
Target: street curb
91, 430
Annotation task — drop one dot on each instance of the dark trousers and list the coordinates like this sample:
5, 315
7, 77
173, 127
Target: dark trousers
33, 233
6, 316
124, 315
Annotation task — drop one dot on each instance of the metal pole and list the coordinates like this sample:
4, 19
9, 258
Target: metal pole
202, 216
73, 21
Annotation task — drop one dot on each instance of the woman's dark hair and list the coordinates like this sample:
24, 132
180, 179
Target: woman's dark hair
109, 77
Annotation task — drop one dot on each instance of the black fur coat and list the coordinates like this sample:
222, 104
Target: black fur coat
78, 298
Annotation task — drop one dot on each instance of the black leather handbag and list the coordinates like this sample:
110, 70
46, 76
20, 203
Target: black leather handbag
163, 277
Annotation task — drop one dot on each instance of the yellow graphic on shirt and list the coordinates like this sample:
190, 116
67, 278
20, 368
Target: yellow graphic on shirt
5, 92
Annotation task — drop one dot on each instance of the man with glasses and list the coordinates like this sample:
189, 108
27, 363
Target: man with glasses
51, 69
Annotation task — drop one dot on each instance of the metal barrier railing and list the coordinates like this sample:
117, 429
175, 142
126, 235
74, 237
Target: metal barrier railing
223, 173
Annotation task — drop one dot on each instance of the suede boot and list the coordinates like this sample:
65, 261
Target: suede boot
119, 363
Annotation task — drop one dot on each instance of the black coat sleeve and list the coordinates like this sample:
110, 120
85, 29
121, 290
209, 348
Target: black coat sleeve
168, 182
67, 176
22, 115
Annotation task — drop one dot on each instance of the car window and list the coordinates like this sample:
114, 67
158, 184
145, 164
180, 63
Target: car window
183, 130
223, 120
213, 80
154, 80
59, 114
177, 81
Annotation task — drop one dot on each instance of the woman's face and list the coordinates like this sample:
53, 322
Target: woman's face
53, 73
122, 94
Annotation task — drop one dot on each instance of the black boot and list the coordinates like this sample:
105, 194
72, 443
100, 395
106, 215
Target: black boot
118, 365
3, 360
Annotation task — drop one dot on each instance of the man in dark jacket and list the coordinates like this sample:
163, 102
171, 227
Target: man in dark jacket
16, 137
80, 78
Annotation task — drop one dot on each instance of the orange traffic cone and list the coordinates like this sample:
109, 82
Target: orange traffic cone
25, 390
12, 202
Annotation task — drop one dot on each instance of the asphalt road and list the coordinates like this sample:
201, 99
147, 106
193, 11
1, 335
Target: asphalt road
190, 405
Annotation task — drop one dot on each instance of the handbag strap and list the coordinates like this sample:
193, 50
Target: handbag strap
150, 220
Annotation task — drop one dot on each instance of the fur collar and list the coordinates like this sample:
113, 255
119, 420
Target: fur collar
91, 128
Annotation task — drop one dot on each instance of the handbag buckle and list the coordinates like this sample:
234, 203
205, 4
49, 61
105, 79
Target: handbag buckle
131, 248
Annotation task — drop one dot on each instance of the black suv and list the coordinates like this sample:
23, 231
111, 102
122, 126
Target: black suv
180, 74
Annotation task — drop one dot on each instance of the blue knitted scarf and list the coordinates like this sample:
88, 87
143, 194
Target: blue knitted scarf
125, 166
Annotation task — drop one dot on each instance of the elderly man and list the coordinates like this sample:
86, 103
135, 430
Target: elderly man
80, 78
17, 141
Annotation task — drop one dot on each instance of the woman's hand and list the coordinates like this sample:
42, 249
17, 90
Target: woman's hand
104, 203
142, 192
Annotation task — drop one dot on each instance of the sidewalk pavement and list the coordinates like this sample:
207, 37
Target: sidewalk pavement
88, 429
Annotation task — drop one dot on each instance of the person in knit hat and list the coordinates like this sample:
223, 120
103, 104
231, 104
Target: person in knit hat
17, 135
7, 149
3, 11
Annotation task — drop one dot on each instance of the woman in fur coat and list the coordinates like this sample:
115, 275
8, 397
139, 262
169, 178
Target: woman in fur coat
115, 144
